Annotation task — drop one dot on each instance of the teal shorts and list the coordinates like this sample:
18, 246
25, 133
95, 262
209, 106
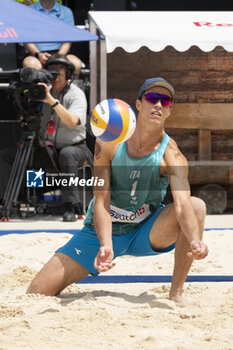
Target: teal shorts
84, 245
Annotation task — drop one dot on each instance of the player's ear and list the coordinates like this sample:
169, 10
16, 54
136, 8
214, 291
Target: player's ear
169, 112
138, 104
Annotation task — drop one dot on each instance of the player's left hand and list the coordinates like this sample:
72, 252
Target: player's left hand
199, 250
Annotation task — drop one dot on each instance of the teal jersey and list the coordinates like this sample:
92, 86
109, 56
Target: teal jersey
137, 189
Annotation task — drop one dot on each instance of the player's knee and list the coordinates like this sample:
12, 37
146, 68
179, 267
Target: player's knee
37, 287
199, 207
33, 288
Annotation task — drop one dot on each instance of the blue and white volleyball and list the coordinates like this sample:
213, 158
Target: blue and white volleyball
113, 121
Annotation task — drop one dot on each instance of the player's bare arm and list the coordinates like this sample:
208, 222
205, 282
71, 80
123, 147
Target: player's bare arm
102, 219
175, 166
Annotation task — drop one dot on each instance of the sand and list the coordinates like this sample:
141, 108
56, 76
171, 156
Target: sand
116, 316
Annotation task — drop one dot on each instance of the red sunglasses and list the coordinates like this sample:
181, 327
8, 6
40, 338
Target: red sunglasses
154, 98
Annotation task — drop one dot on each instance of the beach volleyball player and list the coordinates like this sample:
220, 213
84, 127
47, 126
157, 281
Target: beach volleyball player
127, 216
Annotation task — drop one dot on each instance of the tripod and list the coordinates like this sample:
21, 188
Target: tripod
17, 173
24, 156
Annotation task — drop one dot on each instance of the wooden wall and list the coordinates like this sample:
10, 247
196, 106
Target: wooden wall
197, 76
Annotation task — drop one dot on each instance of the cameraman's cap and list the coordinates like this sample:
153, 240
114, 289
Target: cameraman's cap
149, 83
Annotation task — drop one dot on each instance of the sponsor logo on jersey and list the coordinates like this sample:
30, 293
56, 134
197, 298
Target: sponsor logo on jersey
122, 215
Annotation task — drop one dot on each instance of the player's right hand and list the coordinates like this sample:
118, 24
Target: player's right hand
103, 261
199, 250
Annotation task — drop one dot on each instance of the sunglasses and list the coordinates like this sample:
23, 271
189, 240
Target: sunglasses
154, 98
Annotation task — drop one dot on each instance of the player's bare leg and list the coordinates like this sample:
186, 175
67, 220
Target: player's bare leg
59, 272
164, 232
182, 262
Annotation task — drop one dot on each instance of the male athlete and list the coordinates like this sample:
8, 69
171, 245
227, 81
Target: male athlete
127, 217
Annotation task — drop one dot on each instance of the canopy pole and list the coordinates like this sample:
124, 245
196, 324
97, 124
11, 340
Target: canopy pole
93, 69
103, 70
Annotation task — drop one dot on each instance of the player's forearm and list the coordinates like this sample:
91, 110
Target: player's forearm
103, 225
187, 220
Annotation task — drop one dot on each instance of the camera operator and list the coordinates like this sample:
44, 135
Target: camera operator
63, 128
63, 123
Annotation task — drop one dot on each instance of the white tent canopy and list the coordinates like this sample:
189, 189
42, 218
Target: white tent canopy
156, 30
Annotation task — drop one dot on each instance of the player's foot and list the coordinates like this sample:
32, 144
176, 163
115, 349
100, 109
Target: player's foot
179, 299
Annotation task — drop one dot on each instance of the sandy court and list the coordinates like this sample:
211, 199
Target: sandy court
114, 316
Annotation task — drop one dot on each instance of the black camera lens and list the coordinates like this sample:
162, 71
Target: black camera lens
35, 92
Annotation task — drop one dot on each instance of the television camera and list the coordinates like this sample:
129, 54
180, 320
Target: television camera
27, 94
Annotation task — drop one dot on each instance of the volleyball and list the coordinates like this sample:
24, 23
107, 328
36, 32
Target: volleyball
113, 121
